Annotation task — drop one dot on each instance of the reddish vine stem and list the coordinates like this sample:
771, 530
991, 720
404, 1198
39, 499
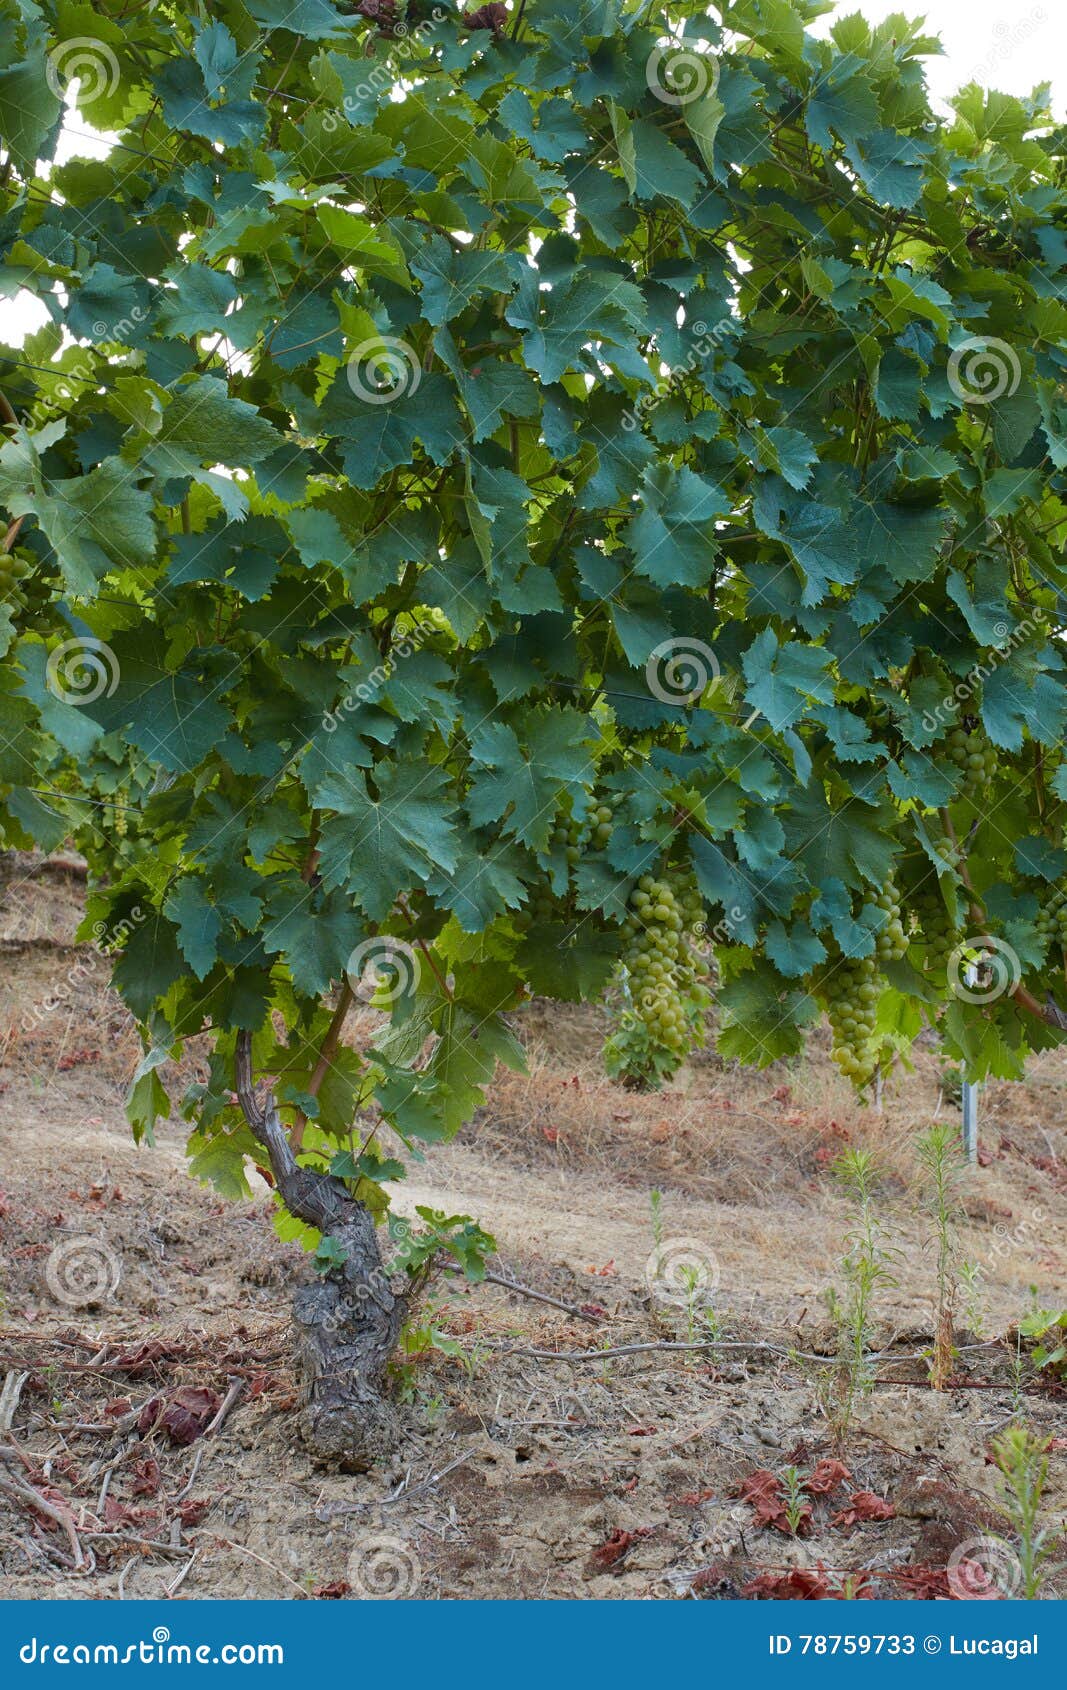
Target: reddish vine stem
327, 1052
424, 948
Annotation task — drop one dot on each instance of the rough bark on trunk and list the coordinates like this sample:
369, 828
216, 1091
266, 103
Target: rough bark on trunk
349, 1322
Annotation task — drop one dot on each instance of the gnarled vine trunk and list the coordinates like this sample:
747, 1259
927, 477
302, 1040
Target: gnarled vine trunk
349, 1322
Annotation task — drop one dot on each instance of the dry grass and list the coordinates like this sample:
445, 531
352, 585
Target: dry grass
720, 1133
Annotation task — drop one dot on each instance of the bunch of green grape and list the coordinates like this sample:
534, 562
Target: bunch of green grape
26, 589
570, 832
664, 973
1051, 919
565, 836
939, 933
851, 990
891, 944
573, 836
972, 753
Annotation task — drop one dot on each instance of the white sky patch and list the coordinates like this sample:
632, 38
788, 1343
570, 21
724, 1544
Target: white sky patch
1008, 47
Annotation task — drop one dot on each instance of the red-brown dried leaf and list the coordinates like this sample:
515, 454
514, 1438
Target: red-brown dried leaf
709, 1578
137, 1361
116, 1513
806, 1584
606, 1555
765, 1495
826, 1476
147, 1477
864, 1505
801, 1584
760, 1483
927, 1584
149, 1415
192, 1511
57, 1499
331, 1592
76, 1059
189, 1413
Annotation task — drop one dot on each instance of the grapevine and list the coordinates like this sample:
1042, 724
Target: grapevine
572, 541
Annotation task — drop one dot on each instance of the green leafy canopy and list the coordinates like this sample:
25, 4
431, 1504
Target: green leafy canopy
436, 435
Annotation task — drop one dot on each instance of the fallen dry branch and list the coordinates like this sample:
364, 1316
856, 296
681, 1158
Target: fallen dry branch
237, 1385
667, 1346
9, 1397
26, 1494
535, 1296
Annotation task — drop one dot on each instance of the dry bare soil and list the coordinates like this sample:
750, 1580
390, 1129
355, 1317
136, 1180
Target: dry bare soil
653, 1474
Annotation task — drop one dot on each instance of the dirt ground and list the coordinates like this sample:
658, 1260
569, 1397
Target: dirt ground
149, 1432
